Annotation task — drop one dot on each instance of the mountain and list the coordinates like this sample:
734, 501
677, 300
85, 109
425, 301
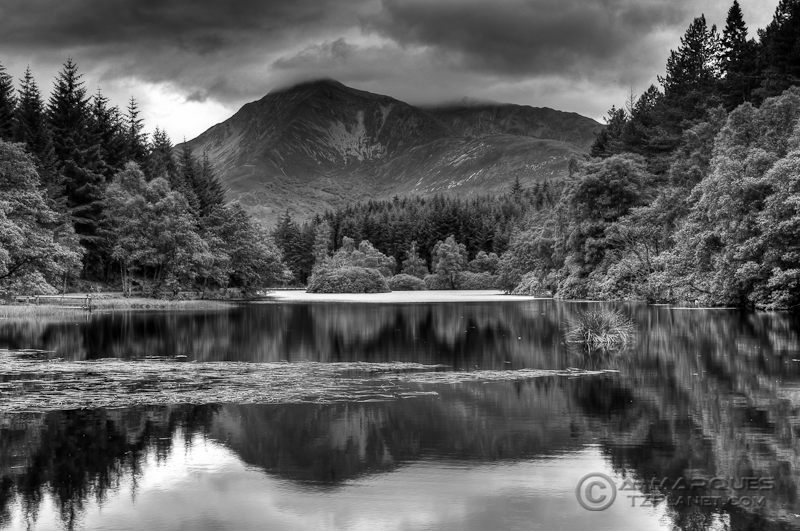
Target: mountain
322, 144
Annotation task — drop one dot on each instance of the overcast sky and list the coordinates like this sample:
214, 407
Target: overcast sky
192, 63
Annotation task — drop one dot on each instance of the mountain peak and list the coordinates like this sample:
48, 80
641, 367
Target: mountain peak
319, 144
321, 82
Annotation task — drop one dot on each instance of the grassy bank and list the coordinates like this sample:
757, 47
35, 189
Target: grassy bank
106, 302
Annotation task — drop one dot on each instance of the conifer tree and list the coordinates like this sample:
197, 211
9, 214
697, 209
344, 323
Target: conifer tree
516, 188
289, 239
322, 243
608, 141
779, 50
78, 156
8, 105
738, 56
135, 140
209, 190
32, 129
105, 131
190, 176
691, 83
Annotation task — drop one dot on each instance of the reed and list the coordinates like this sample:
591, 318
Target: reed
601, 329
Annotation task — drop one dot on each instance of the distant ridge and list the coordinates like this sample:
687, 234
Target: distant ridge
321, 144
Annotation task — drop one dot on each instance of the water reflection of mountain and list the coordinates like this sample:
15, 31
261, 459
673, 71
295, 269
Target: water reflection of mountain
702, 394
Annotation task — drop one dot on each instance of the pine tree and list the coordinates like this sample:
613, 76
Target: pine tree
68, 113
516, 188
78, 157
640, 131
288, 236
8, 105
105, 129
608, 141
33, 130
161, 163
209, 190
691, 83
780, 52
135, 143
738, 56
190, 176
322, 243
160, 160
693, 65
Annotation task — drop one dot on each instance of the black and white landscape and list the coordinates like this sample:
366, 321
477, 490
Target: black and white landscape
400, 265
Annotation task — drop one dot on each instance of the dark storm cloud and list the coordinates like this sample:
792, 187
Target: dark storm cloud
580, 55
206, 47
529, 37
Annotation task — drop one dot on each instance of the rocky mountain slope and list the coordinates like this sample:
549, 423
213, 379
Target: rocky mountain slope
321, 144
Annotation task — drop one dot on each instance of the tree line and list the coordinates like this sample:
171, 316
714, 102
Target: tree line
88, 196
483, 223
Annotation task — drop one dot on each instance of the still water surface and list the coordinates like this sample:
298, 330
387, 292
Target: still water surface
702, 394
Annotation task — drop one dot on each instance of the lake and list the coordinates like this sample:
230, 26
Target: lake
467, 415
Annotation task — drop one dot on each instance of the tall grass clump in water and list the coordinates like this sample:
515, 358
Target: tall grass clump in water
601, 329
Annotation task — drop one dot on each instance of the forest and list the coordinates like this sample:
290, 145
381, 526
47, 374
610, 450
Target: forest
691, 194
88, 201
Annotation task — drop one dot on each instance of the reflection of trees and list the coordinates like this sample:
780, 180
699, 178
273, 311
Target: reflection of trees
78, 454
713, 385
495, 335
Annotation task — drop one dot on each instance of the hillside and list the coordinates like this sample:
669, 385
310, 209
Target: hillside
322, 144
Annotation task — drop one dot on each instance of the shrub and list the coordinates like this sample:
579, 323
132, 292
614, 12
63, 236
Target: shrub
365, 256
532, 284
601, 329
436, 282
484, 263
347, 279
470, 280
403, 282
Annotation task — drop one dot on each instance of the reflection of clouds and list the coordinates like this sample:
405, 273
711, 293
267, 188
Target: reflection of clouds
207, 486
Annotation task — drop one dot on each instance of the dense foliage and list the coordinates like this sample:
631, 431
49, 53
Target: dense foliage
88, 197
37, 246
408, 229
347, 279
693, 191
404, 282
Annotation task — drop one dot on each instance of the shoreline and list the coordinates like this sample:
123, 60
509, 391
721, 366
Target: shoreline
110, 303
396, 297
115, 302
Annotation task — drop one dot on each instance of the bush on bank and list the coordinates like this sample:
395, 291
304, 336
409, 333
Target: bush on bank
470, 280
403, 282
349, 279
